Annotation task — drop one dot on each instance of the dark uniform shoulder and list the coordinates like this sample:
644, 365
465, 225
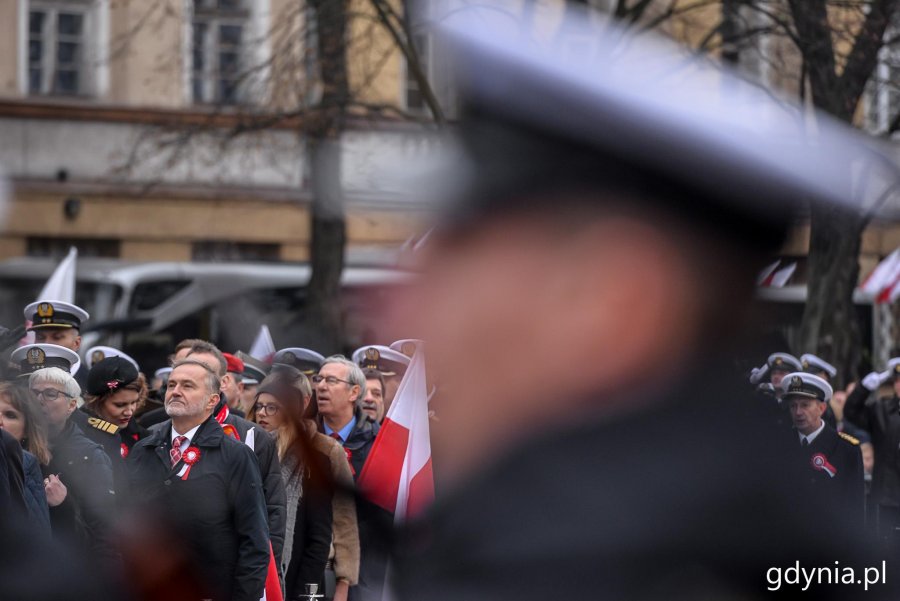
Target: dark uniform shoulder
103, 425
91, 424
850, 439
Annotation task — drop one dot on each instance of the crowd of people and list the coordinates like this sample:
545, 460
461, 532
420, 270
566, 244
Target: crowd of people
847, 439
246, 466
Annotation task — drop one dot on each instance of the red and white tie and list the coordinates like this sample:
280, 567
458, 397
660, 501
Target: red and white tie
175, 453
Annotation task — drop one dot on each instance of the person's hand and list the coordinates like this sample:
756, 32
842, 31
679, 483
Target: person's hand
341, 590
758, 373
55, 490
9, 337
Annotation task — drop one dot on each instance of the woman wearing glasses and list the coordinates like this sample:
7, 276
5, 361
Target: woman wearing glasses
319, 515
20, 418
78, 480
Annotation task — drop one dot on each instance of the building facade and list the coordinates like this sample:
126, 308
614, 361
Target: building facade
173, 129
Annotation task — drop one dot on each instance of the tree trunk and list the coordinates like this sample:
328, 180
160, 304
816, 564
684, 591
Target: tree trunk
322, 321
830, 327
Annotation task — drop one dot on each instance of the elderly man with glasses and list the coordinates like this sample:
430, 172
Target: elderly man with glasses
79, 478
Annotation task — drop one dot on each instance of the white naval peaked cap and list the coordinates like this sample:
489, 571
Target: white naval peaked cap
812, 363
648, 103
55, 314
784, 362
894, 366
806, 385
96, 354
407, 346
33, 357
383, 358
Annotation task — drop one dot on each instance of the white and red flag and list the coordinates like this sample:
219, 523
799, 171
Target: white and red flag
884, 282
776, 275
397, 475
60, 287
263, 348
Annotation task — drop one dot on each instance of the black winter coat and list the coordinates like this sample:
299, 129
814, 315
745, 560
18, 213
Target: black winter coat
312, 528
270, 470
881, 419
106, 435
87, 515
831, 467
218, 511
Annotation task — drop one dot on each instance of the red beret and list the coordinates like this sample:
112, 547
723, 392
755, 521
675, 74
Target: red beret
234, 364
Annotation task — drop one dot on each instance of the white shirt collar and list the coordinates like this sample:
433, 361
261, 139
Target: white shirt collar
189, 434
812, 435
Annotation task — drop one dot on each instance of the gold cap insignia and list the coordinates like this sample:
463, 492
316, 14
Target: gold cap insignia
45, 310
805, 364
408, 349
778, 360
97, 357
372, 354
796, 382
36, 356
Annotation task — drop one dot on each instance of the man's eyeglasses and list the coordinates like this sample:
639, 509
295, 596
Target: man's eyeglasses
50, 394
263, 409
330, 380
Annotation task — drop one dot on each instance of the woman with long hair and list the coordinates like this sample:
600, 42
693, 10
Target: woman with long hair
20, 418
319, 513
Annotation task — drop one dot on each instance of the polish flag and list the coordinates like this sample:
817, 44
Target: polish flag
884, 281
773, 277
397, 475
272, 591
263, 347
60, 287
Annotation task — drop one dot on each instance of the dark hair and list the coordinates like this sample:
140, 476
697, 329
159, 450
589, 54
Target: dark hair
374, 374
35, 441
290, 394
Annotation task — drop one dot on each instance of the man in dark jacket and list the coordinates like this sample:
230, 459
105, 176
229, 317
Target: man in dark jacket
828, 463
207, 485
257, 439
880, 417
584, 301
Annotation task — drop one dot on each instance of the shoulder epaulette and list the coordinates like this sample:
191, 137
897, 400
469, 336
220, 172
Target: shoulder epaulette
103, 425
848, 438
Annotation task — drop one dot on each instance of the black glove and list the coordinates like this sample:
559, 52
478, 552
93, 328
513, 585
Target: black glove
10, 337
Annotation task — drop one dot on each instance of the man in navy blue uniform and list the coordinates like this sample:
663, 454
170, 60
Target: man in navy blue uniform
830, 463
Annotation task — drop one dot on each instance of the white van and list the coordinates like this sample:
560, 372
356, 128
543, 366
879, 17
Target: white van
146, 308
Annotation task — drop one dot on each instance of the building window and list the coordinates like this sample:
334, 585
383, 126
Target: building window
219, 30
57, 248
224, 250
58, 33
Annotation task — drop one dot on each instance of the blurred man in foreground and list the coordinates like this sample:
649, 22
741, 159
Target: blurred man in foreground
582, 235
